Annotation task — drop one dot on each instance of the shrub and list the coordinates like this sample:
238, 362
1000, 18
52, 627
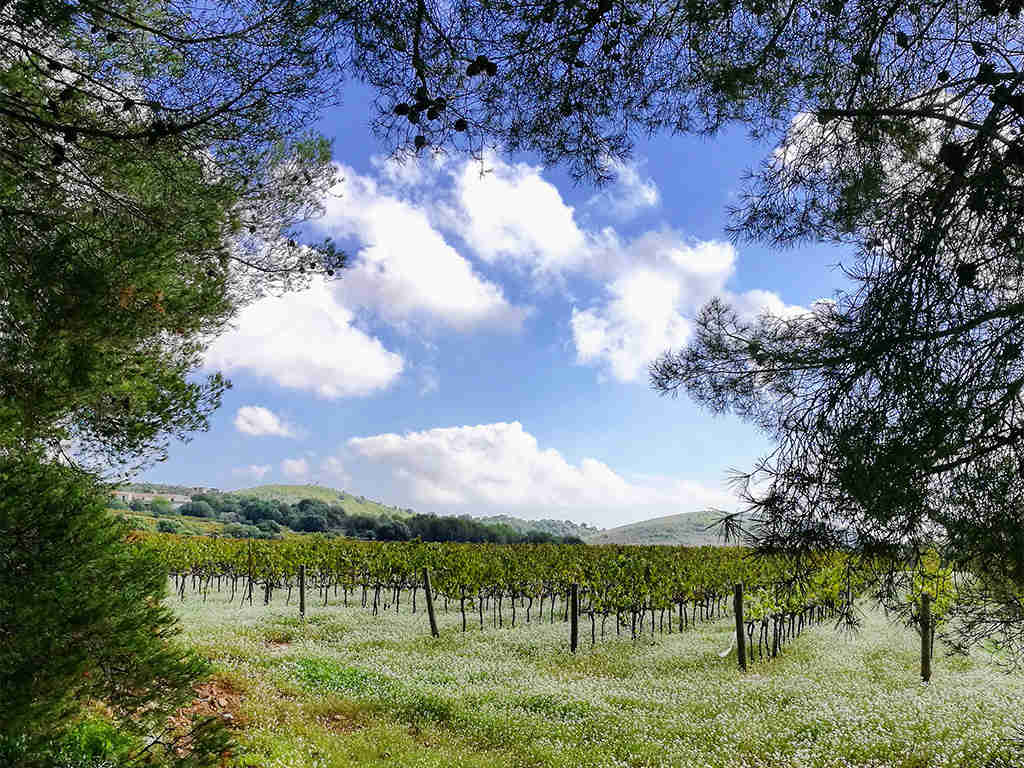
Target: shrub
168, 526
241, 531
160, 506
312, 523
83, 615
197, 509
268, 526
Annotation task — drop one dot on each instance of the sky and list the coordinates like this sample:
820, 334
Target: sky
487, 351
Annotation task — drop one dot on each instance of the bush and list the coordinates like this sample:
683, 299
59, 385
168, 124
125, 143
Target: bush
168, 526
242, 531
160, 506
83, 616
257, 510
197, 509
268, 526
117, 504
312, 523
95, 742
140, 524
393, 530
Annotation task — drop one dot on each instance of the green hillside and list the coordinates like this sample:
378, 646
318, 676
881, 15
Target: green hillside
554, 527
688, 529
354, 505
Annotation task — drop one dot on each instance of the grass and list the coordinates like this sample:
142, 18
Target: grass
345, 688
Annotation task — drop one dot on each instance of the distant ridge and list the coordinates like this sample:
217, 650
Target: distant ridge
554, 527
686, 529
354, 505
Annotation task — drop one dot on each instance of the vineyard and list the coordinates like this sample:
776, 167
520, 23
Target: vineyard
620, 590
326, 655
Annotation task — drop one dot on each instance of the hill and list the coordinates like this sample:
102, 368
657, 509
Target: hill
688, 529
554, 527
354, 505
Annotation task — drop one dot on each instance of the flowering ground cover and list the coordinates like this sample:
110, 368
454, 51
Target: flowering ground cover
345, 688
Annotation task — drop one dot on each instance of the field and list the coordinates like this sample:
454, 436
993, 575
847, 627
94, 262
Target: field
345, 688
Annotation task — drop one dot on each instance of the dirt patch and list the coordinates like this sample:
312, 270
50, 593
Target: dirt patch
215, 697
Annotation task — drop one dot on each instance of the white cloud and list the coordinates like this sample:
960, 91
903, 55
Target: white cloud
295, 469
407, 171
639, 322
406, 271
661, 281
629, 194
756, 302
255, 471
306, 340
257, 420
334, 470
509, 212
490, 468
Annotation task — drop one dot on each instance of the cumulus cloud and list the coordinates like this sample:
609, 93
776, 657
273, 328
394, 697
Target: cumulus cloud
629, 194
307, 341
332, 469
508, 212
295, 469
406, 270
640, 320
254, 471
660, 283
490, 468
257, 420
757, 302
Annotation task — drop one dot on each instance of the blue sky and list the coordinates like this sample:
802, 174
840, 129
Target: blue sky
487, 351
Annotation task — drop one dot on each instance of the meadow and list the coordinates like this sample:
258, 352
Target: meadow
344, 688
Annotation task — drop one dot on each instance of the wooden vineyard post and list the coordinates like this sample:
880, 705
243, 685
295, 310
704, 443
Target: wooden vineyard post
430, 603
574, 617
250, 571
926, 637
302, 591
741, 636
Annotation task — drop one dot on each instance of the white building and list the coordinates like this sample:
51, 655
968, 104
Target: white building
127, 497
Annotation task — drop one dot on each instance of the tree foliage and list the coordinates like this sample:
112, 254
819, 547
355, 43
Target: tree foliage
64, 638
575, 80
154, 171
895, 406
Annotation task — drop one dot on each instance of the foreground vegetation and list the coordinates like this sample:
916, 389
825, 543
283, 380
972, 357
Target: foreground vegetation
346, 688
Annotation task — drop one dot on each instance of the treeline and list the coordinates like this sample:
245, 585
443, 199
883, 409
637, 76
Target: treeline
252, 517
